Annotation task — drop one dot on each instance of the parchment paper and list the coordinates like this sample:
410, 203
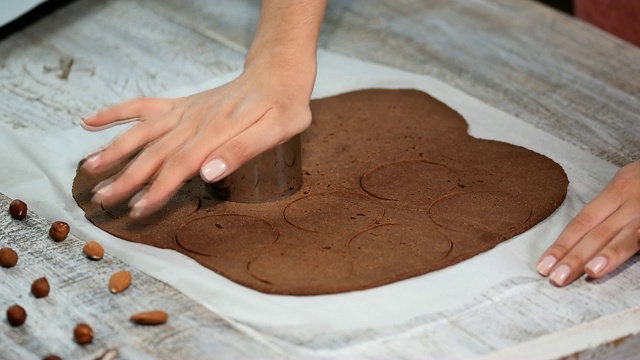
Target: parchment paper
40, 170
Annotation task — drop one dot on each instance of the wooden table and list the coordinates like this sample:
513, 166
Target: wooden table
557, 73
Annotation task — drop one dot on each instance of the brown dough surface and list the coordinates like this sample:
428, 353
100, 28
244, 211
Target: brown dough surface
394, 187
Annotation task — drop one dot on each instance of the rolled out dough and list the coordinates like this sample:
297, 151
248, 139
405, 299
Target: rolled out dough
394, 187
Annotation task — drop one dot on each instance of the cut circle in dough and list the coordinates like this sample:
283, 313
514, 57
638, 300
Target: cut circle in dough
493, 212
397, 249
334, 212
226, 235
410, 181
180, 205
300, 268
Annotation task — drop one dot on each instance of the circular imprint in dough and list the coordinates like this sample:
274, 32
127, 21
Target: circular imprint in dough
182, 204
297, 269
397, 249
414, 181
226, 235
334, 212
494, 212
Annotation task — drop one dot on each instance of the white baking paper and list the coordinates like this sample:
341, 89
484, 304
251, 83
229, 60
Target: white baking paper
40, 170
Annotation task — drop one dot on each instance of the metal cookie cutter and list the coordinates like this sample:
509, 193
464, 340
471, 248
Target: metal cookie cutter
272, 175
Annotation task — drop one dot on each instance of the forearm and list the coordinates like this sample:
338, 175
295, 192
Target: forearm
288, 30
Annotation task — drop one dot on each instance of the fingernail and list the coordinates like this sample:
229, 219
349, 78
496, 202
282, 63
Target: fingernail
137, 204
597, 264
546, 264
213, 170
102, 191
560, 275
88, 116
92, 161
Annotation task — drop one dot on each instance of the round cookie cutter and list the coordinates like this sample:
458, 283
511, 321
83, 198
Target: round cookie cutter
272, 175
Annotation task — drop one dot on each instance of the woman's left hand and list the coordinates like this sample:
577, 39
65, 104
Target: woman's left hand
604, 234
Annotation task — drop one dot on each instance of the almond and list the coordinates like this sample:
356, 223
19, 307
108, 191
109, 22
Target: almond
154, 317
93, 250
119, 281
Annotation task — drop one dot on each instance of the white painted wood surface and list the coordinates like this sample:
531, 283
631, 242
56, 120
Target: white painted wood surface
80, 294
552, 71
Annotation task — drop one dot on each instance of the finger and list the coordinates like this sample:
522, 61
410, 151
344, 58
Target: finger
607, 202
571, 266
129, 142
125, 112
142, 168
186, 162
267, 133
619, 250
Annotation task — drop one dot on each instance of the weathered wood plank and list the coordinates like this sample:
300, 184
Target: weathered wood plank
79, 293
555, 72
94, 53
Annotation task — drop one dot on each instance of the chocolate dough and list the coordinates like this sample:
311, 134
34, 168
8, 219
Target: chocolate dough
394, 187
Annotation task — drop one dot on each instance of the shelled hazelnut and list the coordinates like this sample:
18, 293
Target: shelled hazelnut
52, 357
8, 257
16, 315
83, 334
40, 287
18, 209
59, 231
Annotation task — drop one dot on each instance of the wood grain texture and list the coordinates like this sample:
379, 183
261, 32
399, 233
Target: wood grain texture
80, 293
552, 71
558, 73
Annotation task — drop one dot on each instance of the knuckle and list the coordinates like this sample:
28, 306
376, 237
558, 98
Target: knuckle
304, 119
583, 222
575, 261
236, 151
558, 250
601, 235
299, 120
179, 161
152, 153
615, 251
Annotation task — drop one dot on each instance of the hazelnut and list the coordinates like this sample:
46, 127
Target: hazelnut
93, 250
40, 288
59, 231
52, 357
16, 315
83, 334
18, 209
8, 257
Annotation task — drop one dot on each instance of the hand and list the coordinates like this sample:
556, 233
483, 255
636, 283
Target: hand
604, 234
215, 131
